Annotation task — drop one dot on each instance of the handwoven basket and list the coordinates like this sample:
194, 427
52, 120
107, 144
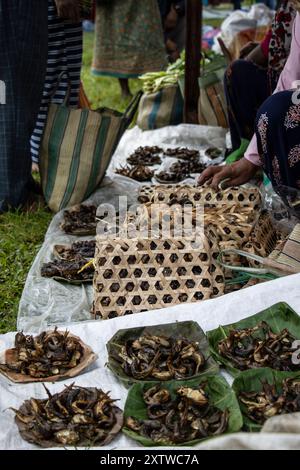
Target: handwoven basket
135, 275
263, 239
236, 196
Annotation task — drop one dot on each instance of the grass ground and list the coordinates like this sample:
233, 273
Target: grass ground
21, 235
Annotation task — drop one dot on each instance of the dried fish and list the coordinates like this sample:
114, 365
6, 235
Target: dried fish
85, 248
139, 173
80, 220
48, 354
182, 153
213, 152
161, 357
76, 416
256, 347
79, 269
188, 416
145, 156
270, 401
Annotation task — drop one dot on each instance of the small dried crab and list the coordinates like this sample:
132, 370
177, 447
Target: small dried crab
79, 269
145, 156
256, 347
77, 416
187, 417
139, 173
161, 358
270, 402
182, 153
48, 354
80, 220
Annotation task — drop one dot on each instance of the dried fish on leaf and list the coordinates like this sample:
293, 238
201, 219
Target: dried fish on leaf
80, 220
181, 414
182, 153
265, 393
86, 249
77, 271
187, 166
162, 358
50, 356
77, 416
139, 173
263, 340
259, 347
145, 156
160, 352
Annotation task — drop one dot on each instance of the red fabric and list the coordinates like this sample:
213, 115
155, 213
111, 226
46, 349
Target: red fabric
265, 43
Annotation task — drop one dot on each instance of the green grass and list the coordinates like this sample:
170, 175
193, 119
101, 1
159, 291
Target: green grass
21, 235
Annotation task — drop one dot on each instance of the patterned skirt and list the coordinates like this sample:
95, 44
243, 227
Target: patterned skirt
62, 83
129, 39
278, 136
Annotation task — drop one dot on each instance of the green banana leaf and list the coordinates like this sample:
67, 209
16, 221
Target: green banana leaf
252, 381
188, 329
278, 316
219, 392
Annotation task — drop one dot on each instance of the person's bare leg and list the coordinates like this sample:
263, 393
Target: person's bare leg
124, 84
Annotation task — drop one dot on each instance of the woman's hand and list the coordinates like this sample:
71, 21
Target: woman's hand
68, 10
238, 173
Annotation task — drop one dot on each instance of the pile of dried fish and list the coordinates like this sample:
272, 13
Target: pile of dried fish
139, 173
86, 249
161, 358
256, 347
269, 402
81, 220
188, 417
170, 178
148, 156
182, 153
187, 167
75, 417
79, 269
48, 354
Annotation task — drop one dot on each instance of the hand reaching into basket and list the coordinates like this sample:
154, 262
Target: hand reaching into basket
236, 174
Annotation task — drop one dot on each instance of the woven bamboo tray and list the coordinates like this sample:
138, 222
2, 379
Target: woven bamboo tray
236, 196
135, 275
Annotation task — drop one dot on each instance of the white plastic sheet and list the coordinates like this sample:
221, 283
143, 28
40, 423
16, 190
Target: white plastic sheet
45, 301
209, 314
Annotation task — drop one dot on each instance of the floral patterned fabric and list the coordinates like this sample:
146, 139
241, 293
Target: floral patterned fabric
129, 38
278, 138
281, 38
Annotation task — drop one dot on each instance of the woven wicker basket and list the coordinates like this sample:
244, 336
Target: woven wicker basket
135, 275
236, 196
263, 239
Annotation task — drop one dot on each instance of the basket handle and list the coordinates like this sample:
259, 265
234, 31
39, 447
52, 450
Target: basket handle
132, 107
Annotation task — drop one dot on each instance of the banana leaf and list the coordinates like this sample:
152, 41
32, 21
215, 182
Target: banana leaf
278, 316
188, 329
218, 390
252, 381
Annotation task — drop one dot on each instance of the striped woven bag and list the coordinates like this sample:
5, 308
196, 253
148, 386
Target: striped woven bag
76, 150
